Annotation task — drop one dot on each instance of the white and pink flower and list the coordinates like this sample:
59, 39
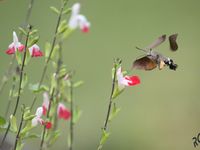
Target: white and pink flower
37, 119
35, 51
126, 80
78, 20
15, 45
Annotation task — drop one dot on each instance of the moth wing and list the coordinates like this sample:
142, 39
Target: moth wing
172, 42
144, 63
157, 42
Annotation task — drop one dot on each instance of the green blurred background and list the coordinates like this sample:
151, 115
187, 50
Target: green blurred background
161, 113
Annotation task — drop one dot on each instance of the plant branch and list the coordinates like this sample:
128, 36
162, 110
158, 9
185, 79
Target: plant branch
18, 133
48, 112
72, 116
20, 85
51, 51
8, 73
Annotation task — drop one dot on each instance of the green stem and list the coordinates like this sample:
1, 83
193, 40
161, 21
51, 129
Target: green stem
51, 51
20, 86
72, 116
110, 104
48, 112
19, 130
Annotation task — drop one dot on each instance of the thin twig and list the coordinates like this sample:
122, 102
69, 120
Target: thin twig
44, 129
20, 86
19, 130
72, 116
51, 51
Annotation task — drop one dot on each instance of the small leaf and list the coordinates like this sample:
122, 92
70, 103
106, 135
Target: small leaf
22, 31
47, 49
114, 112
33, 32
33, 41
76, 115
24, 81
20, 145
35, 88
2, 121
25, 130
66, 11
18, 57
13, 124
54, 137
78, 84
55, 50
31, 136
104, 137
55, 10
117, 92
62, 27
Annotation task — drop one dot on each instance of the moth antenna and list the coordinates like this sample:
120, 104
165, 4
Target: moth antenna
140, 49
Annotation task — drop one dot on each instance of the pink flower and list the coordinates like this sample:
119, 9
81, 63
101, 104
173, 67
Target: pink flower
15, 45
35, 51
126, 80
63, 112
37, 119
78, 20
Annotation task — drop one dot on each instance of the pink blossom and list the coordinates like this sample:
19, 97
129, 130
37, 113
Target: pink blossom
126, 80
45, 104
63, 112
35, 51
78, 20
15, 45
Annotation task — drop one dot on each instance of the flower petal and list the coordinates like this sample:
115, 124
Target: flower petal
63, 112
132, 80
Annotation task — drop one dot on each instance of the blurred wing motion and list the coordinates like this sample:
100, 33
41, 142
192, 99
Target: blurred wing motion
157, 42
172, 42
144, 63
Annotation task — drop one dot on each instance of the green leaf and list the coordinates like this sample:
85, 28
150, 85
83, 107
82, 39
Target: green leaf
47, 49
31, 136
33, 41
55, 50
22, 31
18, 57
76, 115
13, 124
66, 11
20, 145
24, 81
2, 121
117, 92
28, 57
33, 32
55, 10
26, 129
78, 84
62, 27
114, 112
54, 137
104, 138
35, 88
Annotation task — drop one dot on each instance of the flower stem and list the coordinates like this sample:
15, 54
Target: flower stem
20, 86
8, 73
110, 104
51, 51
19, 130
72, 116
44, 129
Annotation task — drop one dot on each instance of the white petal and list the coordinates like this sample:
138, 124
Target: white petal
83, 22
73, 22
76, 9
45, 100
34, 122
39, 112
